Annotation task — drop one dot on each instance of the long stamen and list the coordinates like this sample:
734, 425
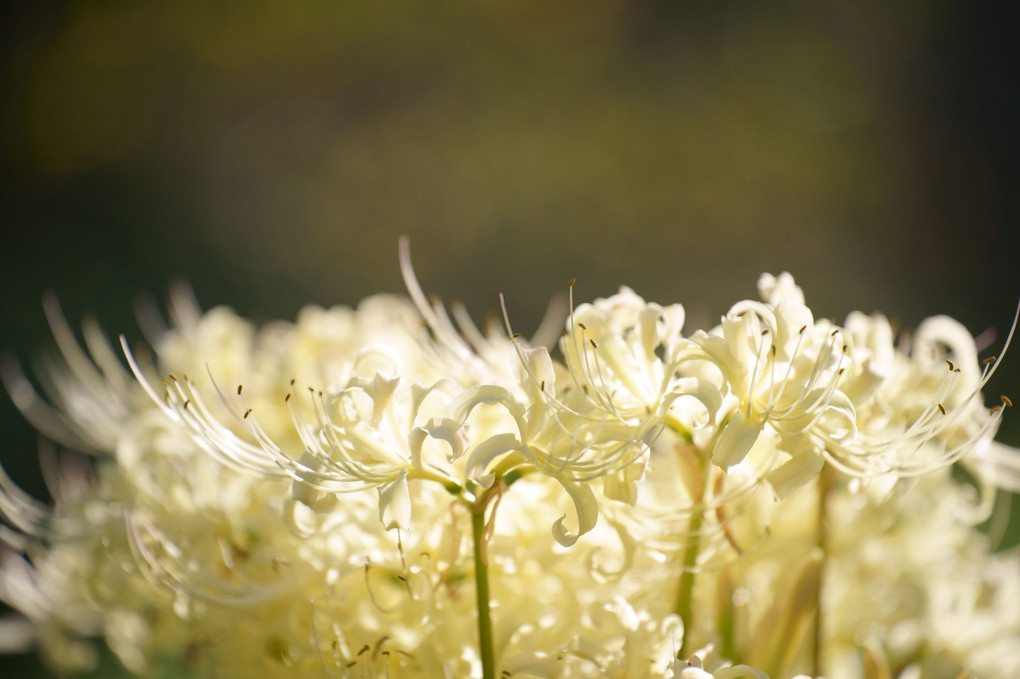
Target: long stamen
786, 378
754, 372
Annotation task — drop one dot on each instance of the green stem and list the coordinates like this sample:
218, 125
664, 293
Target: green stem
685, 597
482, 594
726, 622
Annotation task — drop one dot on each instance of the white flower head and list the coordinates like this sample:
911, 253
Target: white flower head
387, 472
917, 406
777, 368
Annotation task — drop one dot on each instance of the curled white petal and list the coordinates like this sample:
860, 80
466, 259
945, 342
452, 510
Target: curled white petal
587, 513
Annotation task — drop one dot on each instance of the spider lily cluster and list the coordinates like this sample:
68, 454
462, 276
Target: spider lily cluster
389, 491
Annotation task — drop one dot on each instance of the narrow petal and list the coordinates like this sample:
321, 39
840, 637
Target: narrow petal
805, 465
395, 503
487, 451
736, 440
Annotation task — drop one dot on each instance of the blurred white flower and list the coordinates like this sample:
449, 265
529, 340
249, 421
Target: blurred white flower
328, 497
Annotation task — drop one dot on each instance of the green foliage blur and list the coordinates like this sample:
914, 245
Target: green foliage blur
272, 153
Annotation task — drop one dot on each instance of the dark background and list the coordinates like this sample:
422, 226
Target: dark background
271, 154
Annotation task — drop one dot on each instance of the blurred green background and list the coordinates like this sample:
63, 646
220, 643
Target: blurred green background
272, 153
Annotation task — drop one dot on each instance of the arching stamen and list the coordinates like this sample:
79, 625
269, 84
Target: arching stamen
759, 350
786, 378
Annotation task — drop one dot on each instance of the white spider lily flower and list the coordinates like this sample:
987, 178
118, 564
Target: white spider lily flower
780, 369
621, 352
849, 396
779, 366
365, 433
918, 407
589, 419
595, 416
592, 417
375, 429
615, 391
378, 433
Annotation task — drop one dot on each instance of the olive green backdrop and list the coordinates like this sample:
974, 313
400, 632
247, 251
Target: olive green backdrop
272, 153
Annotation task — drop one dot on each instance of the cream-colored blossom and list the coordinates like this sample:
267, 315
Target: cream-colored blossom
917, 406
850, 395
780, 368
299, 499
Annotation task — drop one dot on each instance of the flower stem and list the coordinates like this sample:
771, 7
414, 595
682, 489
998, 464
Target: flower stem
725, 620
482, 593
685, 596
701, 475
